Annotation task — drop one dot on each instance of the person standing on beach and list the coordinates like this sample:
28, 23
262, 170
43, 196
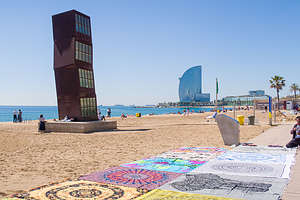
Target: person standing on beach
108, 112
99, 114
20, 115
296, 135
15, 119
42, 126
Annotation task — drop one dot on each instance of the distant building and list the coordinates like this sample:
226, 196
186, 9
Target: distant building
256, 92
73, 66
190, 86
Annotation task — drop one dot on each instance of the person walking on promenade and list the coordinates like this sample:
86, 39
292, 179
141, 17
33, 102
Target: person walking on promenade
296, 134
20, 116
15, 119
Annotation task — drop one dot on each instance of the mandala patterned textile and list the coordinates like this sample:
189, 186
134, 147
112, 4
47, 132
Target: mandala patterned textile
10, 199
196, 156
242, 168
171, 195
83, 190
240, 187
165, 164
265, 149
201, 149
132, 177
253, 157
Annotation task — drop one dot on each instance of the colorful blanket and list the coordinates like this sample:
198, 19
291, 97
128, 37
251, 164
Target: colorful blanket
253, 157
132, 177
171, 195
242, 168
196, 156
201, 149
84, 190
165, 164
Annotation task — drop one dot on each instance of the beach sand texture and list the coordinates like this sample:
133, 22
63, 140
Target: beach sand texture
29, 159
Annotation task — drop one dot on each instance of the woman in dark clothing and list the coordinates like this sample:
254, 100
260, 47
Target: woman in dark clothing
20, 115
42, 123
296, 135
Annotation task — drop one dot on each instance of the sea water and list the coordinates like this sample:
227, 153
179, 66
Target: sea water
51, 112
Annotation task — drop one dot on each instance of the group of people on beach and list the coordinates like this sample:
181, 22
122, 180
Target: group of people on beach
17, 116
102, 117
295, 142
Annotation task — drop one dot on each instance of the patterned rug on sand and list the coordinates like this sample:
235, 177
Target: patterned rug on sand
171, 195
83, 190
254, 157
165, 164
201, 149
132, 177
241, 168
194, 156
230, 186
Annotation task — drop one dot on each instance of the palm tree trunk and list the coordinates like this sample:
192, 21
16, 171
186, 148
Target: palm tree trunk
277, 99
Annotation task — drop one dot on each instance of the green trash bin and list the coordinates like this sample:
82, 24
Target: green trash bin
251, 119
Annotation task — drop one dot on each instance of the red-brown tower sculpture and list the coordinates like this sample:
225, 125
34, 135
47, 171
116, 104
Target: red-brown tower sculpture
73, 66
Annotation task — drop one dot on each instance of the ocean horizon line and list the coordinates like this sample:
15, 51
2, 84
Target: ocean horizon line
51, 112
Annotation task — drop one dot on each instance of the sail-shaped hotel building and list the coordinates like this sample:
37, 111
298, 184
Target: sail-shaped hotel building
190, 86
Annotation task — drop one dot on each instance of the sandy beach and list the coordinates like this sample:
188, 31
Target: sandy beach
29, 159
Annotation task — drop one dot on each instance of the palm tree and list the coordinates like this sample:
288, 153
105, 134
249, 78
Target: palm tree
294, 88
278, 83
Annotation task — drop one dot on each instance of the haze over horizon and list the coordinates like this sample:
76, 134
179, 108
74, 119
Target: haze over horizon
142, 47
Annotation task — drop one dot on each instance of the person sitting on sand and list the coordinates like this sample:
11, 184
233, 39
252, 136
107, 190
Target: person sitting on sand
42, 126
102, 118
123, 116
99, 113
296, 135
67, 119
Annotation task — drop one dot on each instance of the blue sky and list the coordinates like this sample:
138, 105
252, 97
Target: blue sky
141, 47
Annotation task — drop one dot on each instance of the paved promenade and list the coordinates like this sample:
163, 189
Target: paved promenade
280, 135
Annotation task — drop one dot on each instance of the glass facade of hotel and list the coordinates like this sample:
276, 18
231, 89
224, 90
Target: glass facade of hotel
190, 86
